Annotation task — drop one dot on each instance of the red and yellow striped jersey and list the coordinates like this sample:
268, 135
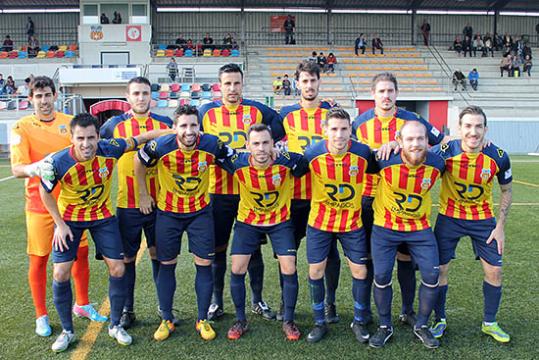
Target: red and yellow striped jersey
265, 193
125, 126
375, 131
183, 175
230, 124
32, 140
85, 186
467, 183
337, 183
303, 128
403, 201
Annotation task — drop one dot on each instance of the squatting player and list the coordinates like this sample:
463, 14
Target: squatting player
84, 173
264, 209
229, 119
376, 127
130, 219
303, 127
401, 216
466, 209
338, 166
33, 138
183, 205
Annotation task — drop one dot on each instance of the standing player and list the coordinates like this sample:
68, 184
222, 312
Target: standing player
303, 127
338, 166
375, 128
84, 171
264, 209
183, 204
130, 219
229, 119
466, 209
401, 216
34, 137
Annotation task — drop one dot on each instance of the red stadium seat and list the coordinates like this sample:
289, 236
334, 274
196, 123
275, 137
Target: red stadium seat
225, 52
196, 87
60, 54
13, 54
179, 53
175, 87
184, 102
163, 95
216, 87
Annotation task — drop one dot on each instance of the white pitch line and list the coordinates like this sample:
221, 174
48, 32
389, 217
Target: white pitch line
7, 178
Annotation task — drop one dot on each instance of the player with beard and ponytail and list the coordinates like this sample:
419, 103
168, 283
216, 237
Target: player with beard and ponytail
132, 221
401, 216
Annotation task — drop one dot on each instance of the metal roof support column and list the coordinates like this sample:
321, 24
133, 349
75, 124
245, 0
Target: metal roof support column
413, 25
329, 17
242, 24
495, 22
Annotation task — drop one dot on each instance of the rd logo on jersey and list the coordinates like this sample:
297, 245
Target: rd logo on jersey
425, 184
202, 166
276, 180
353, 170
485, 174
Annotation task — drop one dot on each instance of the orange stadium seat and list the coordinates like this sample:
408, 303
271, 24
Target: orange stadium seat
50, 54
169, 53
216, 52
3, 55
73, 47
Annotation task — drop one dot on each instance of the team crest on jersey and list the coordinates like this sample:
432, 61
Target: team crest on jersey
202, 166
96, 32
425, 184
353, 170
62, 128
104, 172
247, 119
485, 174
276, 180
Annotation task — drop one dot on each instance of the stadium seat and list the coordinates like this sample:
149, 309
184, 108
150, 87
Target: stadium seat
188, 53
179, 53
3, 105
41, 54
73, 47
161, 47
22, 55
60, 54
131, 65
195, 95
194, 102
13, 54
172, 103
225, 53
160, 53
153, 103
169, 53
45, 47
207, 53
216, 94
12, 105
50, 54
68, 54
235, 53
163, 95
155, 87
196, 87
165, 87
186, 87
206, 94
216, 52
24, 48
96, 66
62, 48
173, 95
175, 87
162, 103
155, 95
23, 104
205, 87
185, 95
3, 55
216, 87
184, 102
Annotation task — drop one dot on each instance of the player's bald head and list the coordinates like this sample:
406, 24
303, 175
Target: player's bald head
409, 125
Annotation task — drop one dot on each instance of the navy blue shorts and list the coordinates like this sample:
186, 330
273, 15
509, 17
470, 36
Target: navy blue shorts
199, 227
247, 237
422, 245
299, 215
449, 230
105, 234
132, 222
225, 210
319, 243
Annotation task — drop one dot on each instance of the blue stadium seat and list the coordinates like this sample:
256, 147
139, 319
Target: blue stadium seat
185, 87
194, 102
173, 95
162, 103
235, 53
205, 87
206, 94
77, 66
155, 95
156, 87
188, 53
23, 55
69, 54
195, 95
162, 47
45, 47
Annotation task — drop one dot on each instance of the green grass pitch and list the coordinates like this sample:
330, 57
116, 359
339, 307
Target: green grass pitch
518, 314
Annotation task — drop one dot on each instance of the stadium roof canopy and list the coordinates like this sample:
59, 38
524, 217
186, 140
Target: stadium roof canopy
463, 5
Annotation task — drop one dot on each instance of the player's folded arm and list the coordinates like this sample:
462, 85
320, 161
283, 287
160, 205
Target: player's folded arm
148, 154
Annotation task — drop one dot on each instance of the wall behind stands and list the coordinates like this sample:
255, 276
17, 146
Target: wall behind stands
50, 28
514, 136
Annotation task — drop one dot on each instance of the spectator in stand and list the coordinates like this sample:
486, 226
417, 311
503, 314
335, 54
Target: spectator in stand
10, 88
24, 90
295, 87
313, 57
467, 31
289, 28
287, 86
172, 68
478, 44
331, 61
361, 43
473, 78
497, 41
457, 45
33, 46
425, 31
30, 28
467, 46
104, 19
322, 61
181, 42
8, 44
489, 45
117, 18
506, 65
228, 39
277, 85
2, 84
207, 42
517, 47
528, 64
507, 41
377, 44
526, 51
459, 79
516, 64
189, 44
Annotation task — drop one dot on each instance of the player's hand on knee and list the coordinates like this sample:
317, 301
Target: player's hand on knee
146, 204
497, 234
61, 234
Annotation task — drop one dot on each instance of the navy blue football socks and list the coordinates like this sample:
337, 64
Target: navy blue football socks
203, 289
237, 290
218, 268
361, 297
427, 298
290, 295
317, 290
256, 276
492, 296
130, 277
63, 299
166, 286
407, 282
117, 294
